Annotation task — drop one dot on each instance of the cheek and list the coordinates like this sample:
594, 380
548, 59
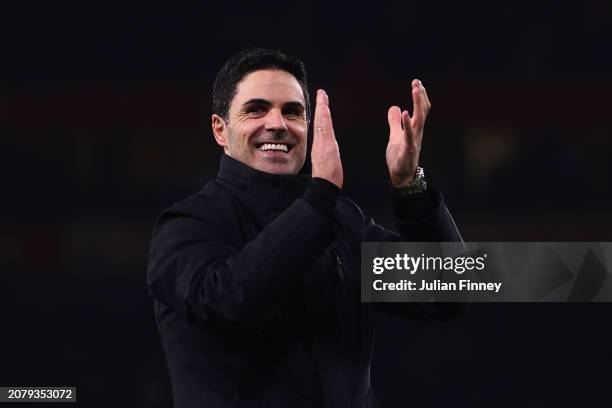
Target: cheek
299, 130
241, 137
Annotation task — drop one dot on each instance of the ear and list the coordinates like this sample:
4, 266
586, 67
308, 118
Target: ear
219, 130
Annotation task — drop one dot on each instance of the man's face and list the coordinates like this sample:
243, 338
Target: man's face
267, 123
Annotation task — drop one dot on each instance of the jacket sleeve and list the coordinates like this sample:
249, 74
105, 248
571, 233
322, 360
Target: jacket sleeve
421, 217
195, 268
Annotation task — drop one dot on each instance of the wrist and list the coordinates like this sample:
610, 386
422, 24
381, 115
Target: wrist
414, 184
402, 182
322, 195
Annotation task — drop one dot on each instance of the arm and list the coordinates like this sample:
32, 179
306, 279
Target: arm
194, 269
420, 217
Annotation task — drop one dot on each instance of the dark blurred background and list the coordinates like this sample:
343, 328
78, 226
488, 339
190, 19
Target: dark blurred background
105, 111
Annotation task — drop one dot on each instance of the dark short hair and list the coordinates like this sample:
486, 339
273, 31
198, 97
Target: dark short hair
250, 60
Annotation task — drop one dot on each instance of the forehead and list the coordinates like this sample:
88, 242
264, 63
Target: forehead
272, 85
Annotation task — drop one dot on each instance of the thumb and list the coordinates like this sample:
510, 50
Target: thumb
394, 116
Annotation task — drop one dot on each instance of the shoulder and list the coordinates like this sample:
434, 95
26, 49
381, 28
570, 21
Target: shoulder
212, 206
202, 204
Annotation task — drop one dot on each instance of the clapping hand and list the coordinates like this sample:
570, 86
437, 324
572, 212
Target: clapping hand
406, 136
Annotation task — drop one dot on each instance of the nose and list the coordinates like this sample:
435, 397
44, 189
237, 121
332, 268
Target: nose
275, 120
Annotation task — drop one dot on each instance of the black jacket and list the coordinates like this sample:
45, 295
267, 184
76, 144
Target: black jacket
256, 288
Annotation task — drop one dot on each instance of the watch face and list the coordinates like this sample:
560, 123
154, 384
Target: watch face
418, 185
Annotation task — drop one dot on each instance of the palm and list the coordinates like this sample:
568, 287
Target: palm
325, 153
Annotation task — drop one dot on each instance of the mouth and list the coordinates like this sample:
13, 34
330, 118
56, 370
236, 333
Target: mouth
282, 147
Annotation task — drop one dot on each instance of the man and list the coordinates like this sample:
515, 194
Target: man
256, 278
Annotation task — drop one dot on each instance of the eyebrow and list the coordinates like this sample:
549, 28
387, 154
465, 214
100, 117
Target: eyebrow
268, 103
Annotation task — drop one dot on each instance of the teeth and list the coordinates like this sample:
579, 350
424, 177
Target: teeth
274, 146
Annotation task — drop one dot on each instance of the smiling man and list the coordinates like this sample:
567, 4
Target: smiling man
256, 278
266, 124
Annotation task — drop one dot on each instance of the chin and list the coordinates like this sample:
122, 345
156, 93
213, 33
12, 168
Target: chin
281, 166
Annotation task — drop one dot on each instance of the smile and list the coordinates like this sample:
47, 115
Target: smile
281, 147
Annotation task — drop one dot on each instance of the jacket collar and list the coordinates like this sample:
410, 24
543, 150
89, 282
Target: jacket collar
264, 195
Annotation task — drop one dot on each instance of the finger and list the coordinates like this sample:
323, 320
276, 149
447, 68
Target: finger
418, 102
406, 122
411, 135
427, 103
320, 101
323, 125
394, 117
318, 115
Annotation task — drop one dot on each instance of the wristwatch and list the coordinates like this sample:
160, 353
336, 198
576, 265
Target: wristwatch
418, 185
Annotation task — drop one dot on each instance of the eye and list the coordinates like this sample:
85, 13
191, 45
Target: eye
256, 109
293, 112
